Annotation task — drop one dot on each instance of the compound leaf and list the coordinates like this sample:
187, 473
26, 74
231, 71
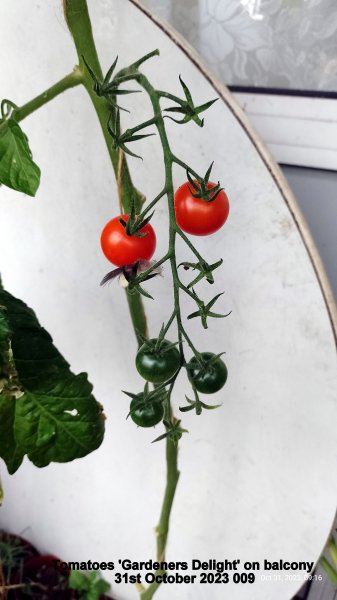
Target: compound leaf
46, 412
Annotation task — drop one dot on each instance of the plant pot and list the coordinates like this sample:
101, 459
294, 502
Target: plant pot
14, 552
48, 581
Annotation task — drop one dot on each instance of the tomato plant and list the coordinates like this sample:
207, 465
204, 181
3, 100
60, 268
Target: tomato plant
209, 374
128, 241
200, 216
146, 413
157, 362
122, 249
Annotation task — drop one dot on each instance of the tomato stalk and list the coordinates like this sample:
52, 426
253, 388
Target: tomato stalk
171, 446
79, 24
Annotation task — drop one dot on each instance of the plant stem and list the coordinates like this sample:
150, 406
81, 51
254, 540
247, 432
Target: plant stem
172, 472
190, 245
164, 521
155, 266
78, 21
152, 204
77, 17
73, 79
172, 481
138, 316
182, 164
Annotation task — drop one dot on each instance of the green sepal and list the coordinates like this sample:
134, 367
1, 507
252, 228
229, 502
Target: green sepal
205, 271
173, 431
188, 109
119, 140
197, 405
200, 186
146, 397
204, 311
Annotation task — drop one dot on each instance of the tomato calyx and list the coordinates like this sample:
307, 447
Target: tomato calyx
187, 108
207, 372
197, 404
173, 431
158, 360
119, 140
158, 346
146, 407
122, 249
205, 270
108, 88
134, 223
201, 186
204, 310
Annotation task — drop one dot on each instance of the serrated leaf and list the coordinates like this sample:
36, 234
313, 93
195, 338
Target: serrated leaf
17, 168
49, 414
9, 450
89, 583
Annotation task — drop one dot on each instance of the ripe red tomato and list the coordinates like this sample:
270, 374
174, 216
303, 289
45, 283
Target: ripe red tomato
197, 216
122, 249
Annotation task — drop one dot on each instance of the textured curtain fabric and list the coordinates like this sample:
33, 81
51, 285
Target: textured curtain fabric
270, 43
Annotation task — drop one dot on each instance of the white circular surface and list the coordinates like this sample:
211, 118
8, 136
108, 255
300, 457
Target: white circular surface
256, 478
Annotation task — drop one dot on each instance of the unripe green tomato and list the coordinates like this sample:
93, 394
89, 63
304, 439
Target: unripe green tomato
209, 379
148, 415
157, 366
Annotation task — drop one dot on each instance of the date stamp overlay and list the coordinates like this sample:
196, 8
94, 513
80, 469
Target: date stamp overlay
197, 571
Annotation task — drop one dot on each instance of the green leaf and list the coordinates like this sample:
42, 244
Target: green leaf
89, 585
9, 450
46, 411
17, 168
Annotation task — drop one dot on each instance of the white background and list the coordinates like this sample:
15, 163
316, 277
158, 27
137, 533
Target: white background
247, 469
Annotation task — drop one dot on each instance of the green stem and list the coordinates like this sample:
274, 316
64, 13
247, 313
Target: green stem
79, 24
69, 81
78, 20
140, 127
176, 99
138, 316
148, 208
172, 473
188, 292
190, 245
155, 266
182, 164
163, 526
172, 481
169, 323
